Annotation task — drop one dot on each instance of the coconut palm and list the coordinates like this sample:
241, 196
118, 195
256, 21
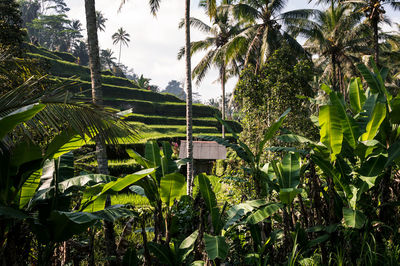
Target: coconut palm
154, 6
75, 28
107, 59
374, 11
217, 45
100, 21
337, 37
263, 32
101, 152
121, 37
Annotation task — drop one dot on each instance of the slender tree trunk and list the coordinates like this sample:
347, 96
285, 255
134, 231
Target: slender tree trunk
222, 75
334, 80
95, 74
374, 23
189, 124
119, 56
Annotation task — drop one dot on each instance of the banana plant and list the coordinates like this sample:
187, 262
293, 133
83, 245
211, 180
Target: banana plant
359, 141
248, 213
38, 187
161, 187
253, 159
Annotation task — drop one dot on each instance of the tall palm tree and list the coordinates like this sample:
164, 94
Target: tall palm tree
121, 37
217, 45
154, 5
263, 32
100, 21
374, 11
337, 37
95, 74
107, 58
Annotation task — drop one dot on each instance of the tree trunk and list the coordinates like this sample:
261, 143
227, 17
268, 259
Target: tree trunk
95, 74
374, 23
222, 76
119, 56
334, 80
189, 132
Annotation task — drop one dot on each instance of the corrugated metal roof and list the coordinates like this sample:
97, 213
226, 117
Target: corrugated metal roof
206, 150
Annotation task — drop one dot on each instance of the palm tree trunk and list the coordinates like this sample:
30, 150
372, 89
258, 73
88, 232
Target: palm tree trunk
95, 74
189, 132
119, 57
374, 23
334, 80
222, 76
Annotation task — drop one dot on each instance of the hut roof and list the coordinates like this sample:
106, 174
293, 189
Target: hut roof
205, 150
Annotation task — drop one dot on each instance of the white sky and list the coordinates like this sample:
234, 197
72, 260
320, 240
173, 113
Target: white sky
155, 41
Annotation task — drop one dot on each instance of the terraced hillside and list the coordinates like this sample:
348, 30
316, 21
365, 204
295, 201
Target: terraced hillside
156, 115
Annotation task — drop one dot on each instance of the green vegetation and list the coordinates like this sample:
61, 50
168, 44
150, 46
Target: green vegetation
312, 179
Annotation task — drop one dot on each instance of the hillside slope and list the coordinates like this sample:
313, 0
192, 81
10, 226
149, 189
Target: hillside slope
155, 115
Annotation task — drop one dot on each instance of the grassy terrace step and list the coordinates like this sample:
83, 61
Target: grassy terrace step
123, 92
61, 68
161, 108
168, 120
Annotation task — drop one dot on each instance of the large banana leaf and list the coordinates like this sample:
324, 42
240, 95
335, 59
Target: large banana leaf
290, 171
357, 96
118, 185
188, 243
63, 225
63, 143
152, 153
139, 159
331, 129
235, 213
376, 119
216, 247
263, 213
350, 128
23, 114
354, 218
287, 195
211, 201
172, 187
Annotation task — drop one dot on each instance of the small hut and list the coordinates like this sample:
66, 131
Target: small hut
204, 154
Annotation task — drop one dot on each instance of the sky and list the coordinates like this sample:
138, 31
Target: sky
155, 41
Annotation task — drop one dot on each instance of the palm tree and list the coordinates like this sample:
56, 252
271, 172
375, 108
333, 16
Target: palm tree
374, 11
121, 37
337, 37
107, 58
101, 152
75, 28
154, 5
100, 21
217, 45
263, 32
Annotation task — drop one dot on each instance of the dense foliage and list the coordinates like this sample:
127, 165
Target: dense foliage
264, 95
313, 179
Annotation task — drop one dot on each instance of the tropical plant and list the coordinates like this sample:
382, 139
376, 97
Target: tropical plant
121, 37
217, 44
263, 32
100, 21
337, 37
357, 151
95, 70
107, 59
